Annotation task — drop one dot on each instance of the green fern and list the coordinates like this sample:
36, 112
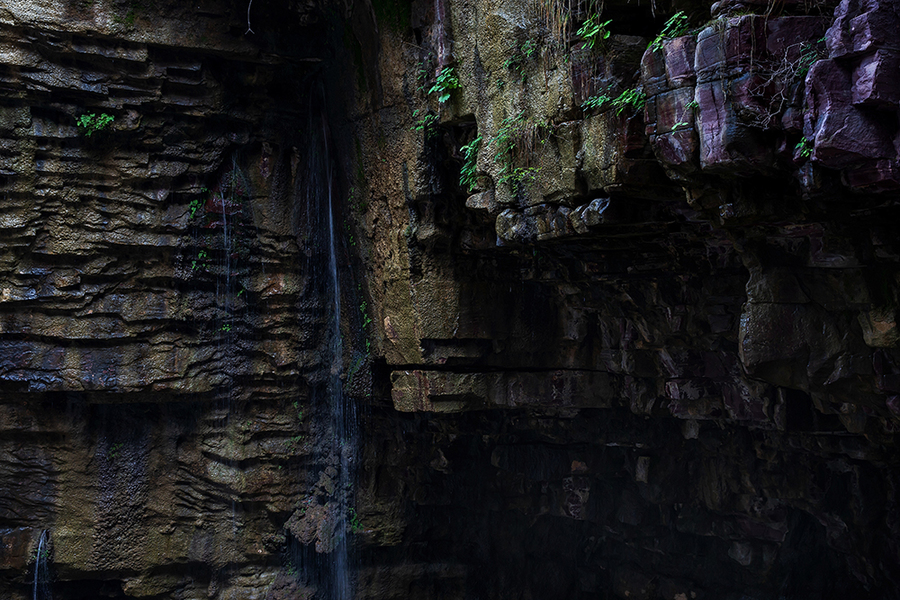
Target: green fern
593, 32
447, 81
91, 123
468, 177
676, 26
635, 99
595, 101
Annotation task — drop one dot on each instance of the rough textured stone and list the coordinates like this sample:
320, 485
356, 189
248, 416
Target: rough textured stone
664, 365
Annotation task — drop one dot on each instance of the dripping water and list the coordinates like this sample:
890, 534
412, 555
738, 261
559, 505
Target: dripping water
41, 568
341, 413
327, 561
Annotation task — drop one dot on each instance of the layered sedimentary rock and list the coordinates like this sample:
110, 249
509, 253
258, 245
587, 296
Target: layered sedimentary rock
159, 323
652, 352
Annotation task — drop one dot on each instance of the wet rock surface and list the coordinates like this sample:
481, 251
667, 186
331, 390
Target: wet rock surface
160, 317
646, 364
651, 353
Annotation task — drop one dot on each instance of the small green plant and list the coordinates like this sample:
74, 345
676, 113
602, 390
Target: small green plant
529, 48
504, 142
366, 319
508, 143
200, 261
468, 174
114, 451
196, 205
595, 102
355, 524
350, 239
676, 26
681, 125
129, 18
421, 78
356, 200
518, 60
295, 443
633, 99
520, 175
594, 33
692, 105
809, 54
447, 81
226, 327
804, 147
91, 123
427, 124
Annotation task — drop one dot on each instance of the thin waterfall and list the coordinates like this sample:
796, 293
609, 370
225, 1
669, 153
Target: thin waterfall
322, 528
41, 568
342, 417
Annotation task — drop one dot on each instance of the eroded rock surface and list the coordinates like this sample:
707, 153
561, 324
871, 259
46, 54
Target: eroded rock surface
651, 353
160, 317
648, 354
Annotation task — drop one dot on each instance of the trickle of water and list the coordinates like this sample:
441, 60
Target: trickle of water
41, 589
342, 420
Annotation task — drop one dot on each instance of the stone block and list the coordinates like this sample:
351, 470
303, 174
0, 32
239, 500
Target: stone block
788, 344
729, 46
15, 545
679, 58
483, 202
612, 148
873, 176
670, 111
876, 80
785, 36
725, 143
437, 391
653, 72
556, 157
860, 27
872, 30
589, 215
842, 134
677, 149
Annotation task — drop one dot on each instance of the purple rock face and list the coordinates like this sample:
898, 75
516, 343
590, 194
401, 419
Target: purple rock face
842, 133
876, 80
726, 144
737, 103
729, 46
862, 26
874, 176
679, 61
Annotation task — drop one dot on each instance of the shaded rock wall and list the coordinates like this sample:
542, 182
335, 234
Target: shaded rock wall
651, 353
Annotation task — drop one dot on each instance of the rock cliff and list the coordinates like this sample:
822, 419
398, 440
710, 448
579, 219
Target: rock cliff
616, 299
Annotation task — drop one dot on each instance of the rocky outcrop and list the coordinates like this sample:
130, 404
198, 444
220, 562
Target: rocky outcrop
648, 347
160, 319
651, 351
